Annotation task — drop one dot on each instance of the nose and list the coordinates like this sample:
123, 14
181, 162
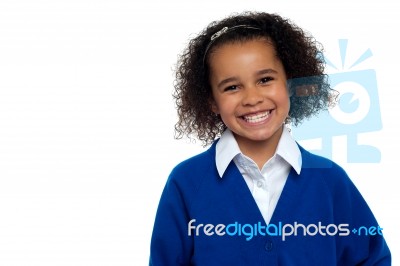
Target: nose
252, 96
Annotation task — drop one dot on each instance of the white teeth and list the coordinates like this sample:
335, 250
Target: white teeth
257, 118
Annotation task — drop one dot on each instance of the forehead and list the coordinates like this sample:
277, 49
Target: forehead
237, 40
252, 52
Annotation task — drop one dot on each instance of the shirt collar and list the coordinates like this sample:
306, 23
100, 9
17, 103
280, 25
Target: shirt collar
227, 148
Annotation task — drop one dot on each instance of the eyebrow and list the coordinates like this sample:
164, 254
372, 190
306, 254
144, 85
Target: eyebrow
260, 72
267, 71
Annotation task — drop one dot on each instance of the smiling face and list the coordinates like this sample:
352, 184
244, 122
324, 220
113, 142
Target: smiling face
249, 91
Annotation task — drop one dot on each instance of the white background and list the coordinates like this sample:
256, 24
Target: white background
86, 117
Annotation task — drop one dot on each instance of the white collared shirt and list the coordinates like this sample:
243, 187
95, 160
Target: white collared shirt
266, 185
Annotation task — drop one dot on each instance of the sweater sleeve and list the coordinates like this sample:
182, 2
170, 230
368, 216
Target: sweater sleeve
365, 244
170, 243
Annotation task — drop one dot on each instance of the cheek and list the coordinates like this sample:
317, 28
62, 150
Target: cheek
221, 107
285, 102
213, 102
285, 97
288, 103
227, 108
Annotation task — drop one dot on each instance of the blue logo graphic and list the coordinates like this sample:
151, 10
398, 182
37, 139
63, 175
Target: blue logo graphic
357, 111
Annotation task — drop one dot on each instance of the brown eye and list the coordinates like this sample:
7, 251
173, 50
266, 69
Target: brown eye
231, 88
265, 80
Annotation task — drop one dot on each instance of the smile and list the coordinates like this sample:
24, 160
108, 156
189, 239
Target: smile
257, 118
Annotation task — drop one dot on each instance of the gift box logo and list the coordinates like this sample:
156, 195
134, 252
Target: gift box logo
357, 111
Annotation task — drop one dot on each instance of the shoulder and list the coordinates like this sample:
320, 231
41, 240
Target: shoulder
325, 170
333, 178
198, 162
191, 171
318, 163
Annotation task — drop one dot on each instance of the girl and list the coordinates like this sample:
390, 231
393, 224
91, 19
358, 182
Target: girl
256, 197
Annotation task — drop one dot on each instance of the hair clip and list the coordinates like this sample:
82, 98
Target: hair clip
219, 33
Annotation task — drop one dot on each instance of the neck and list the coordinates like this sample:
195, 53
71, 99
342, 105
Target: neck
260, 151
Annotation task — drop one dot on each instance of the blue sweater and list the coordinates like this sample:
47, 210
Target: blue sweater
206, 220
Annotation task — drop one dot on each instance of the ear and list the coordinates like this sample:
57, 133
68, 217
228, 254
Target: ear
213, 106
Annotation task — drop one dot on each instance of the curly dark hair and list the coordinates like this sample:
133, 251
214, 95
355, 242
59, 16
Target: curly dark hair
299, 52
